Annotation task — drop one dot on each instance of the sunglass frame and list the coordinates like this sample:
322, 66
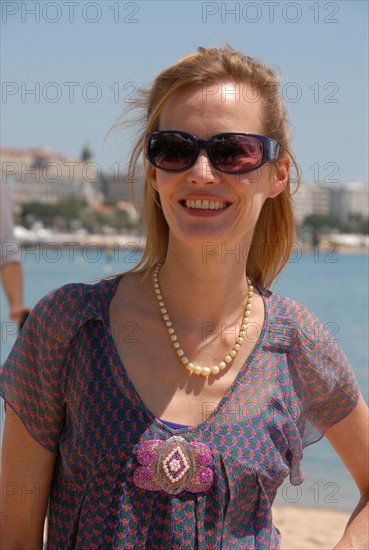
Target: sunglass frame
270, 147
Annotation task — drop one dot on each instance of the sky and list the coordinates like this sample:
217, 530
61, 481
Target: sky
69, 68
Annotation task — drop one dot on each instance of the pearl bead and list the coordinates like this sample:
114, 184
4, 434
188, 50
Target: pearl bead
198, 370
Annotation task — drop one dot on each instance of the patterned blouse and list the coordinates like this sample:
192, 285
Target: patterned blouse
123, 479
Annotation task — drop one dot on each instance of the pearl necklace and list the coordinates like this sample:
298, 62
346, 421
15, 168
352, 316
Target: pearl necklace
197, 369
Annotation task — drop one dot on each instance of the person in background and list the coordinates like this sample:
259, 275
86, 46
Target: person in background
161, 409
10, 261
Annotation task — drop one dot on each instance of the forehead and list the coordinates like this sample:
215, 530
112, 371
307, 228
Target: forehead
226, 106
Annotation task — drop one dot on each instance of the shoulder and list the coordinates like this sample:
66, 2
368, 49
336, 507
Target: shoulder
282, 304
64, 309
291, 324
288, 311
78, 294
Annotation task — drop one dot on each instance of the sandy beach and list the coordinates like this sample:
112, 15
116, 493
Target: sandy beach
309, 528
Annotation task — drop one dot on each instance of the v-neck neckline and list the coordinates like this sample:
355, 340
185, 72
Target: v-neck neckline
136, 397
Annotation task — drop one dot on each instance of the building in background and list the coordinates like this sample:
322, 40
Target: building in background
311, 199
41, 175
351, 199
342, 201
118, 186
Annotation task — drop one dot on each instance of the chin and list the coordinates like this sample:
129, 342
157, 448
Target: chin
210, 241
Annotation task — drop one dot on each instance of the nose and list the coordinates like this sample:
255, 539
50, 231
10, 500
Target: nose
202, 172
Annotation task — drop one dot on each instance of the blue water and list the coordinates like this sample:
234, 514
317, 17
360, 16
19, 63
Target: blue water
333, 286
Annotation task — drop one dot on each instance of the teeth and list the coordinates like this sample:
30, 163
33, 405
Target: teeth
206, 204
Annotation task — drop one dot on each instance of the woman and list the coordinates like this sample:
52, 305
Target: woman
165, 407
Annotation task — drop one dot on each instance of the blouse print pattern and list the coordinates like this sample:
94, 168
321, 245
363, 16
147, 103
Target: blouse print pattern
64, 379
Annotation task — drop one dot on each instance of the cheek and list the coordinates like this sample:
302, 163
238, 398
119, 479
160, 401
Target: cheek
260, 183
166, 184
252, 182
255, 178
153, 178
246, 187
164, 189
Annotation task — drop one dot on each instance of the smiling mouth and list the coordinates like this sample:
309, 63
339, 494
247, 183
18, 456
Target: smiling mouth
205, 204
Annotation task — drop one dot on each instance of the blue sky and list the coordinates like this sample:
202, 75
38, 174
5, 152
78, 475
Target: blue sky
84, 59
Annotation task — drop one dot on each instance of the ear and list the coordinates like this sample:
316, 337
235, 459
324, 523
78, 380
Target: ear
279, 177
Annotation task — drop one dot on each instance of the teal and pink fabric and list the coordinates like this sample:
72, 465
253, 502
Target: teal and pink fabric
126, 480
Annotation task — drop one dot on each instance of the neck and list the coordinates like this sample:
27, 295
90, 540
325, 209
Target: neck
204, 285
231, 354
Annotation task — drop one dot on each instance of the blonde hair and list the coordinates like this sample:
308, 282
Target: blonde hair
275, 229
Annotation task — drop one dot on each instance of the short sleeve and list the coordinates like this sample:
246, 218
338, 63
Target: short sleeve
33, 379
323, 378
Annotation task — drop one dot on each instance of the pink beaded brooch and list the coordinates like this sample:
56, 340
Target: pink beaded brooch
173, 465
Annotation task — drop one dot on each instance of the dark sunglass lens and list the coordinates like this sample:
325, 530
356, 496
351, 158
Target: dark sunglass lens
237, 153
171, 151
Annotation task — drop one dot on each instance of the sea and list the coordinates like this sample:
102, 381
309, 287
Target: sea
332, 285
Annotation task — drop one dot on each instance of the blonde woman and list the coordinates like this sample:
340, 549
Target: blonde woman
177, 433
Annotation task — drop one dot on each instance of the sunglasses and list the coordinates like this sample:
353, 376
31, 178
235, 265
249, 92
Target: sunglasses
231, 152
